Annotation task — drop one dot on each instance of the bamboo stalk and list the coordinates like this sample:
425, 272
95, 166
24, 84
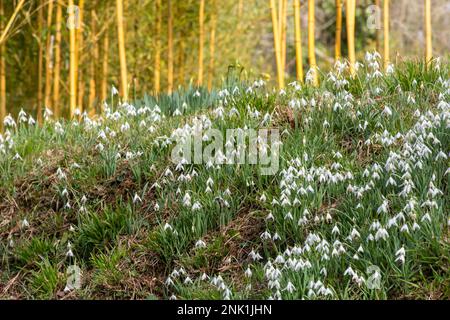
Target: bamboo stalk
122, 53
11, 21
337, 51
386, 32
212, 43
311, 41
277, 44
73, 61
93, 73
240, 11
201, 42
40, 97
48, 57
78, 54
57, 70
378, 36
104, 93
2, 72
283, 33
181, 61
298, 41
157, 66
428, 32
170, 48
350, 10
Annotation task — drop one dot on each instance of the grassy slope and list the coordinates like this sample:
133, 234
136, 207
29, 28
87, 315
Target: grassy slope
75, 183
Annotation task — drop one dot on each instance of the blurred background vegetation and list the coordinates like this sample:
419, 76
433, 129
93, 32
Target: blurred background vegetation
244, 41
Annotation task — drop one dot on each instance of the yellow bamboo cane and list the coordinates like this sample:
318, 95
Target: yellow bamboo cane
93, 69
57, 72
212, 44
378, 36
298, 41
428, 32
48, 57
201, 42
105, 68
157, 67
277, 45
170, 48
386, 32
11, 21
79, 43
311, 41
72, 71
283, 19
337, 51
2, 72
122, 53
350, 7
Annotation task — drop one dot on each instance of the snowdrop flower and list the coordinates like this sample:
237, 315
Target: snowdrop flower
187, 200
196, 206
266, 235
335, 230
381, 234
22, 116
248, 273
255, 255
200, 244
69, 250
426, 217
400, 255
114, 91
384, 208
404, 228
169, 282
167, 227
390, 69
349, 271
204, 277
290, 287
387, 111
136, 199
9, 121
24, 224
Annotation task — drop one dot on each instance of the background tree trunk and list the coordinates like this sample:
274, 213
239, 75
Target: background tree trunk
337, 51
201, 42
170, 47
57, 69
2, 71
277, 44
386, 32
122, 53
49, 57
212, 43
298, 41
73, 60
157, 67
104, 95
312, 40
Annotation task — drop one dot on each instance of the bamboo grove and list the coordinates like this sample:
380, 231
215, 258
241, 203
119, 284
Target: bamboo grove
279, 25
84, 47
